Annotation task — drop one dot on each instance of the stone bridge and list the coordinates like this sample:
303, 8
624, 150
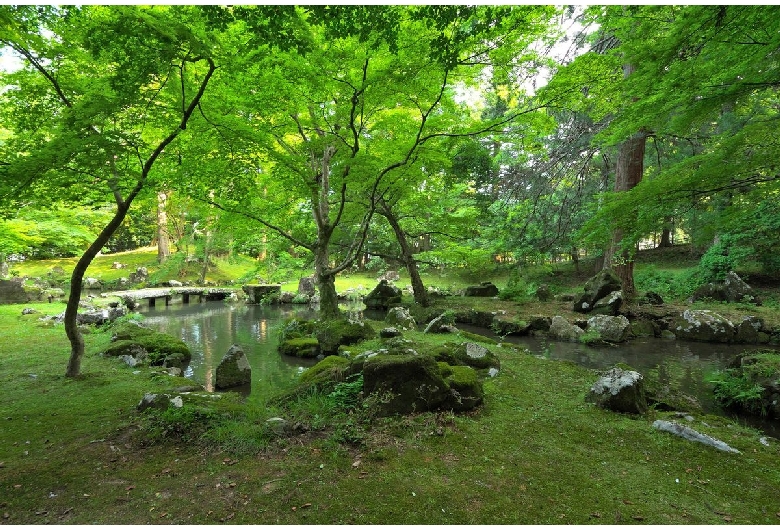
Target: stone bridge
173, 295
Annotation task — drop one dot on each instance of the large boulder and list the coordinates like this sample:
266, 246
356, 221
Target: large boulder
483, 289
405, 383
563, 330
619, 390
383, 296
733, 289
12, 292
703, 326
400, 318
598, 287
610, 329
341, 332
233, 370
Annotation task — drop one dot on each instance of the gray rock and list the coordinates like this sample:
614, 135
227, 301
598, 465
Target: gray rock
609, 305
12, 292
543, 293
733, 289
443, 323
29, 311
389, 333
611, 329
619, 390
702, 325
140, 275
692, 435
747, 331
233, 370
383, 296
174, 283
306, 286
92, 283
598, 287
401, 318
390, 276
278, 425
562, 329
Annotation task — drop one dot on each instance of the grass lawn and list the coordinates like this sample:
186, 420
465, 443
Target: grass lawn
75, 451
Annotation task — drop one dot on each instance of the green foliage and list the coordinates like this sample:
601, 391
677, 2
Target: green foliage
746, 385
347, 395
734, 388
676, 285
517, 288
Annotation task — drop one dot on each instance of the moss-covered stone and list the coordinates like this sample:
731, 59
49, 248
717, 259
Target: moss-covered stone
405, 383
341, 332
161, 349
465, 386
329, 370
304, 347
466, 354
296, 328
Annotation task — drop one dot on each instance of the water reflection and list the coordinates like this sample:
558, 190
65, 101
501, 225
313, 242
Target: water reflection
210, 328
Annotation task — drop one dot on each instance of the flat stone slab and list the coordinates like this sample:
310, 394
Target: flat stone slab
159, 292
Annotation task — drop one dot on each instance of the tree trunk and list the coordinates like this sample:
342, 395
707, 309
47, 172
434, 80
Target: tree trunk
326, 282
76, 281
628, 173
666, 238
420, 293
163, 240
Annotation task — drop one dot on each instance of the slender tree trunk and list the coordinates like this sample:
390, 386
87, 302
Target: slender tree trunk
163, 240
420, 293
76, 281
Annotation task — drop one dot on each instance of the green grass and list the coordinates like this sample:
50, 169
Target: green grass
535, 453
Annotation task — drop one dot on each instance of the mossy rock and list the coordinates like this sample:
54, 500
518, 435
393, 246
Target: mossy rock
466, 390
341, 332
304, 347
161, 349
475, 337
329, 370
466, 354
405, 383
296, 328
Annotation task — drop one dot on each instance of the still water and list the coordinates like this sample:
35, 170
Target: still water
210, 328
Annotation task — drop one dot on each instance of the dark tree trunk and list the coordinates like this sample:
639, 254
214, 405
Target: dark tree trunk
76, 281
666, 238
326, 282
420, 292
628, 173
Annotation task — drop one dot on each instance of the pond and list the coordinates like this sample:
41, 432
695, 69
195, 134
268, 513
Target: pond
210, 328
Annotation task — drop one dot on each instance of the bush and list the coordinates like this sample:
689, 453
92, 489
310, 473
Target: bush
517, 288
